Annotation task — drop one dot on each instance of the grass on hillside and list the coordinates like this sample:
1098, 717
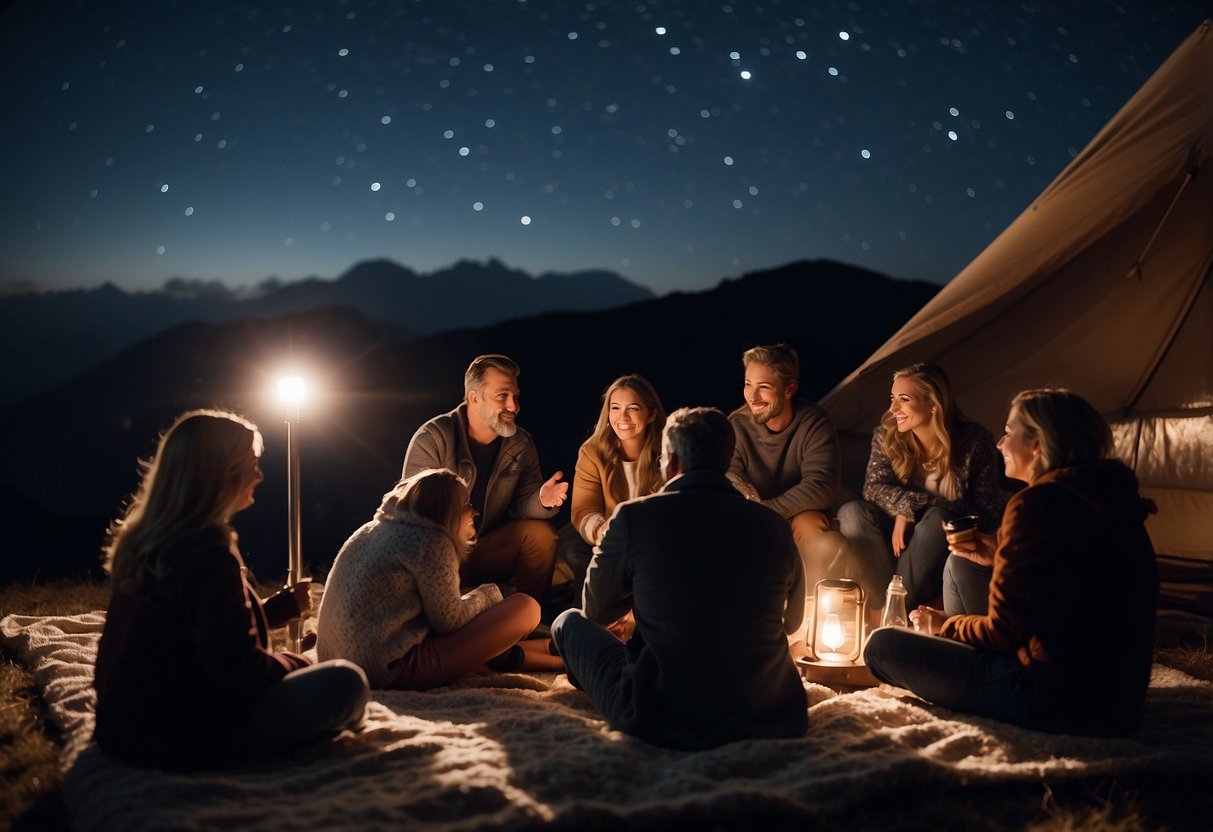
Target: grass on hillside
29, 769
29, 744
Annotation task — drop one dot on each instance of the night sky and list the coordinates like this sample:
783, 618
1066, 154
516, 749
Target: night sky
674, 142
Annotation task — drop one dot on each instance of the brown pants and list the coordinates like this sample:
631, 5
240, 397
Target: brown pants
442, 659
822, 549
522, 551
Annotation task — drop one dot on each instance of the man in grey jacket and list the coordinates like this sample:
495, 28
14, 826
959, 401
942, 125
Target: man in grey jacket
715, 584
787, 457
481, 442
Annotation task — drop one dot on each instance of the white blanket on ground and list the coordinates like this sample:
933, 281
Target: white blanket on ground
522, 751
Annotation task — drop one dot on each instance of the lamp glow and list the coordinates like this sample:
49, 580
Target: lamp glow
292, 389
832, 635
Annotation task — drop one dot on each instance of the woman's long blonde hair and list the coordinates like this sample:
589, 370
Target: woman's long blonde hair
435, 494
1071, 431
648, 468
904, 451
189, 484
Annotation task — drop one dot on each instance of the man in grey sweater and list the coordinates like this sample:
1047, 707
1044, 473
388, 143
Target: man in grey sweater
787, 457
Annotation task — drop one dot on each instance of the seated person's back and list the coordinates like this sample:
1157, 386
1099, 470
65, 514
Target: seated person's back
714, 582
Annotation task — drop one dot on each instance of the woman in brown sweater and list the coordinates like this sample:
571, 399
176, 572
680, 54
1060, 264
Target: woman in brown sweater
1068, 641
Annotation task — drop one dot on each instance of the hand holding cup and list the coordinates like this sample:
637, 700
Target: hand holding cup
966, 541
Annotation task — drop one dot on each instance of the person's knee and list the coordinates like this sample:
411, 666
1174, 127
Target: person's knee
348, 684
950, 567
359, 691
809, 524
522, 608
933, 516
538, 540
561, 622
881, 644
851, 516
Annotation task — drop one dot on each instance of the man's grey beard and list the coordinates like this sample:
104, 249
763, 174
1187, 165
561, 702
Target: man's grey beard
502, 428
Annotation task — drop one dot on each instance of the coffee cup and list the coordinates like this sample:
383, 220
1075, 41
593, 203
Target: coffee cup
960, 529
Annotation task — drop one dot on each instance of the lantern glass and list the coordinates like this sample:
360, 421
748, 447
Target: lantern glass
835, 631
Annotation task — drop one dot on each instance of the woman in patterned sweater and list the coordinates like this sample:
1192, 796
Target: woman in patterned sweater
392, 602
928, 463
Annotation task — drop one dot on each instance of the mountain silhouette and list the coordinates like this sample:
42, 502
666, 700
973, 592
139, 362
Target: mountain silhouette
56, 335
73, 450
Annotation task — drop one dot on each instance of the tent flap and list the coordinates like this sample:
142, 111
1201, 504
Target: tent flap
1101, 285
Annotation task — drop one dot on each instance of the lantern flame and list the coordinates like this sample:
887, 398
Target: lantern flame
831, 632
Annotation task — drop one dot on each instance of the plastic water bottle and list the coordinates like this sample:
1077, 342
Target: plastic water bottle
894, 614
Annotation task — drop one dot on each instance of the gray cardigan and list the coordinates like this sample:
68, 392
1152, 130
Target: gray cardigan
393, 581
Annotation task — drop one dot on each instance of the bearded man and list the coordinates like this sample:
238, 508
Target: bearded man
481, 442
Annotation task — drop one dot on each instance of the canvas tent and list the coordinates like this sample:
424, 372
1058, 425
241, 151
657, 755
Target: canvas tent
1101, 285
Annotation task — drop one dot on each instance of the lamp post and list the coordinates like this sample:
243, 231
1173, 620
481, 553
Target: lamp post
292, 390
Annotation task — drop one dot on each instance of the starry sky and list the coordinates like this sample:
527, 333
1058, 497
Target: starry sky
676, 143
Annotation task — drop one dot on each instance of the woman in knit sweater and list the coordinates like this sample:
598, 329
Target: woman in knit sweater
617, 463
928, 463
1068, 642
184, 678
392, 602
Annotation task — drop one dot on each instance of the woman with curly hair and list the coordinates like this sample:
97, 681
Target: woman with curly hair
928, 463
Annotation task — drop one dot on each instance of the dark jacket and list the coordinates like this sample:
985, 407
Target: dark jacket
1074, 594
708, 575
181, 664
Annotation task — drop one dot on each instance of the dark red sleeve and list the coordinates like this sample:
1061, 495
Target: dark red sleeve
222, 627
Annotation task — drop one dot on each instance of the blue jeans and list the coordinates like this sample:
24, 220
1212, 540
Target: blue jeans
309, 704
954, 675
869, 532
577, 554
966, 587
595, 660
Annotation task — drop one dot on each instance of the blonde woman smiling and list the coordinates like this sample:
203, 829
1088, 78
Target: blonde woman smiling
618, 462
928, 463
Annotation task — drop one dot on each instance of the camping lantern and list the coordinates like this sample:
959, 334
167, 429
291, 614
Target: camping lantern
836, 627
834, 635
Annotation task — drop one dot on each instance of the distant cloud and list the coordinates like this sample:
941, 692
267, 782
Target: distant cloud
186, 288
11, 288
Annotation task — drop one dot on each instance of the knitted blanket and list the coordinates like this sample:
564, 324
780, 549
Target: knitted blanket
517, 751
